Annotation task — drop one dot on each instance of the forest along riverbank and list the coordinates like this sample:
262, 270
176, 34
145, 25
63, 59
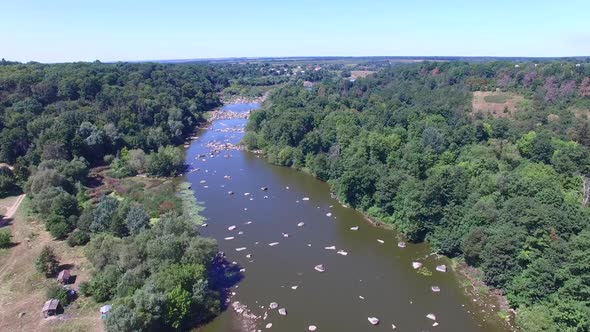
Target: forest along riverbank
310, 262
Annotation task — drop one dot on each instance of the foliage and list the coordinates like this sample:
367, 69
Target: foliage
78, 238
55, 291
403, 146
4, 239
47, 263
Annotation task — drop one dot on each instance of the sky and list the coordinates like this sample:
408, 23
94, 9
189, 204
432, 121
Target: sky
129, 30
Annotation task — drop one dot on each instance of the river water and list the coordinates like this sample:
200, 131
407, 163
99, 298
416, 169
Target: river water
374, 279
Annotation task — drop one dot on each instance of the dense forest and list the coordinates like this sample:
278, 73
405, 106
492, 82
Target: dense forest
503, 192
58, 122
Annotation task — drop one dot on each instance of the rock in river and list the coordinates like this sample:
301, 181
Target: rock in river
273, 305
431, 316
355, 228
312, 328
283, 312
373, 320
441, 268
320, 268
416, 265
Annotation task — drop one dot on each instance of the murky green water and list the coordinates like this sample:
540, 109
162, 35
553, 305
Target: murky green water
373, 280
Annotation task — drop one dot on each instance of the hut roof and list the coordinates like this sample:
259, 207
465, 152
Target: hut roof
64, 275
51, 305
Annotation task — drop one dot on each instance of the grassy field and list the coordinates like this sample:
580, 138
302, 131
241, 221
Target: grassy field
499, 98
22, 289
496, 103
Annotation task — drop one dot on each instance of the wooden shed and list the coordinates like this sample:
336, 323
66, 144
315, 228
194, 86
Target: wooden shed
50, 307
64, 277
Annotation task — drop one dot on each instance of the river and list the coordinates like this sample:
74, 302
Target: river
375, 279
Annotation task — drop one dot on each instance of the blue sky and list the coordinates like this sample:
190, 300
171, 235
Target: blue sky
107, 30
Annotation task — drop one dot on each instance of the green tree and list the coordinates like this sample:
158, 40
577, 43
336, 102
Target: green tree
47, 263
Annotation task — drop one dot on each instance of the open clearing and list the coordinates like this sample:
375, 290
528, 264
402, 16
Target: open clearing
22, 289
496, 103
360, 73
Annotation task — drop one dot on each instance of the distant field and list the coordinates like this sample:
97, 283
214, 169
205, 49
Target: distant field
498, 104
360, 73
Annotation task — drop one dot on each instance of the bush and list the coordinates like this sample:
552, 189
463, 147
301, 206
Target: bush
56, 291
4, 239
78, 238
47, 262
86, 288
58, 230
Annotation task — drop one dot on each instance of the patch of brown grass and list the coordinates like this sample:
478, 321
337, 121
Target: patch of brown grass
22, 289
496, 103
360, 73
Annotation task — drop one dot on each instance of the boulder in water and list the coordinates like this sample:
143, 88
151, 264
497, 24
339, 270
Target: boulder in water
320, 268
401, 244
283, 312
373, 320
355, 228
435, 289
273, 305
231, 228
416, 265
441, 268
300, 224
312, 328
431, 316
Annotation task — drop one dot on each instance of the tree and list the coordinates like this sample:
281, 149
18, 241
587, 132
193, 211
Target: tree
137, 220
104, 214
168, 161
8, 184
177, 307
47, 263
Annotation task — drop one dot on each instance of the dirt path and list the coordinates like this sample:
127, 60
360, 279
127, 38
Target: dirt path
12, 210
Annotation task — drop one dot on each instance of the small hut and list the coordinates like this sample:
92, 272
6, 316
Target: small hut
104, 310
64, 277
50, 307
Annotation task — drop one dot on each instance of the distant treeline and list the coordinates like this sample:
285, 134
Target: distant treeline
505, 194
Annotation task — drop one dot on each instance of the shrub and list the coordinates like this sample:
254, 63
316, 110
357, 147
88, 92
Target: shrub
86, 288
4, 239
56, 291
47, 262
58, 230
78, 238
